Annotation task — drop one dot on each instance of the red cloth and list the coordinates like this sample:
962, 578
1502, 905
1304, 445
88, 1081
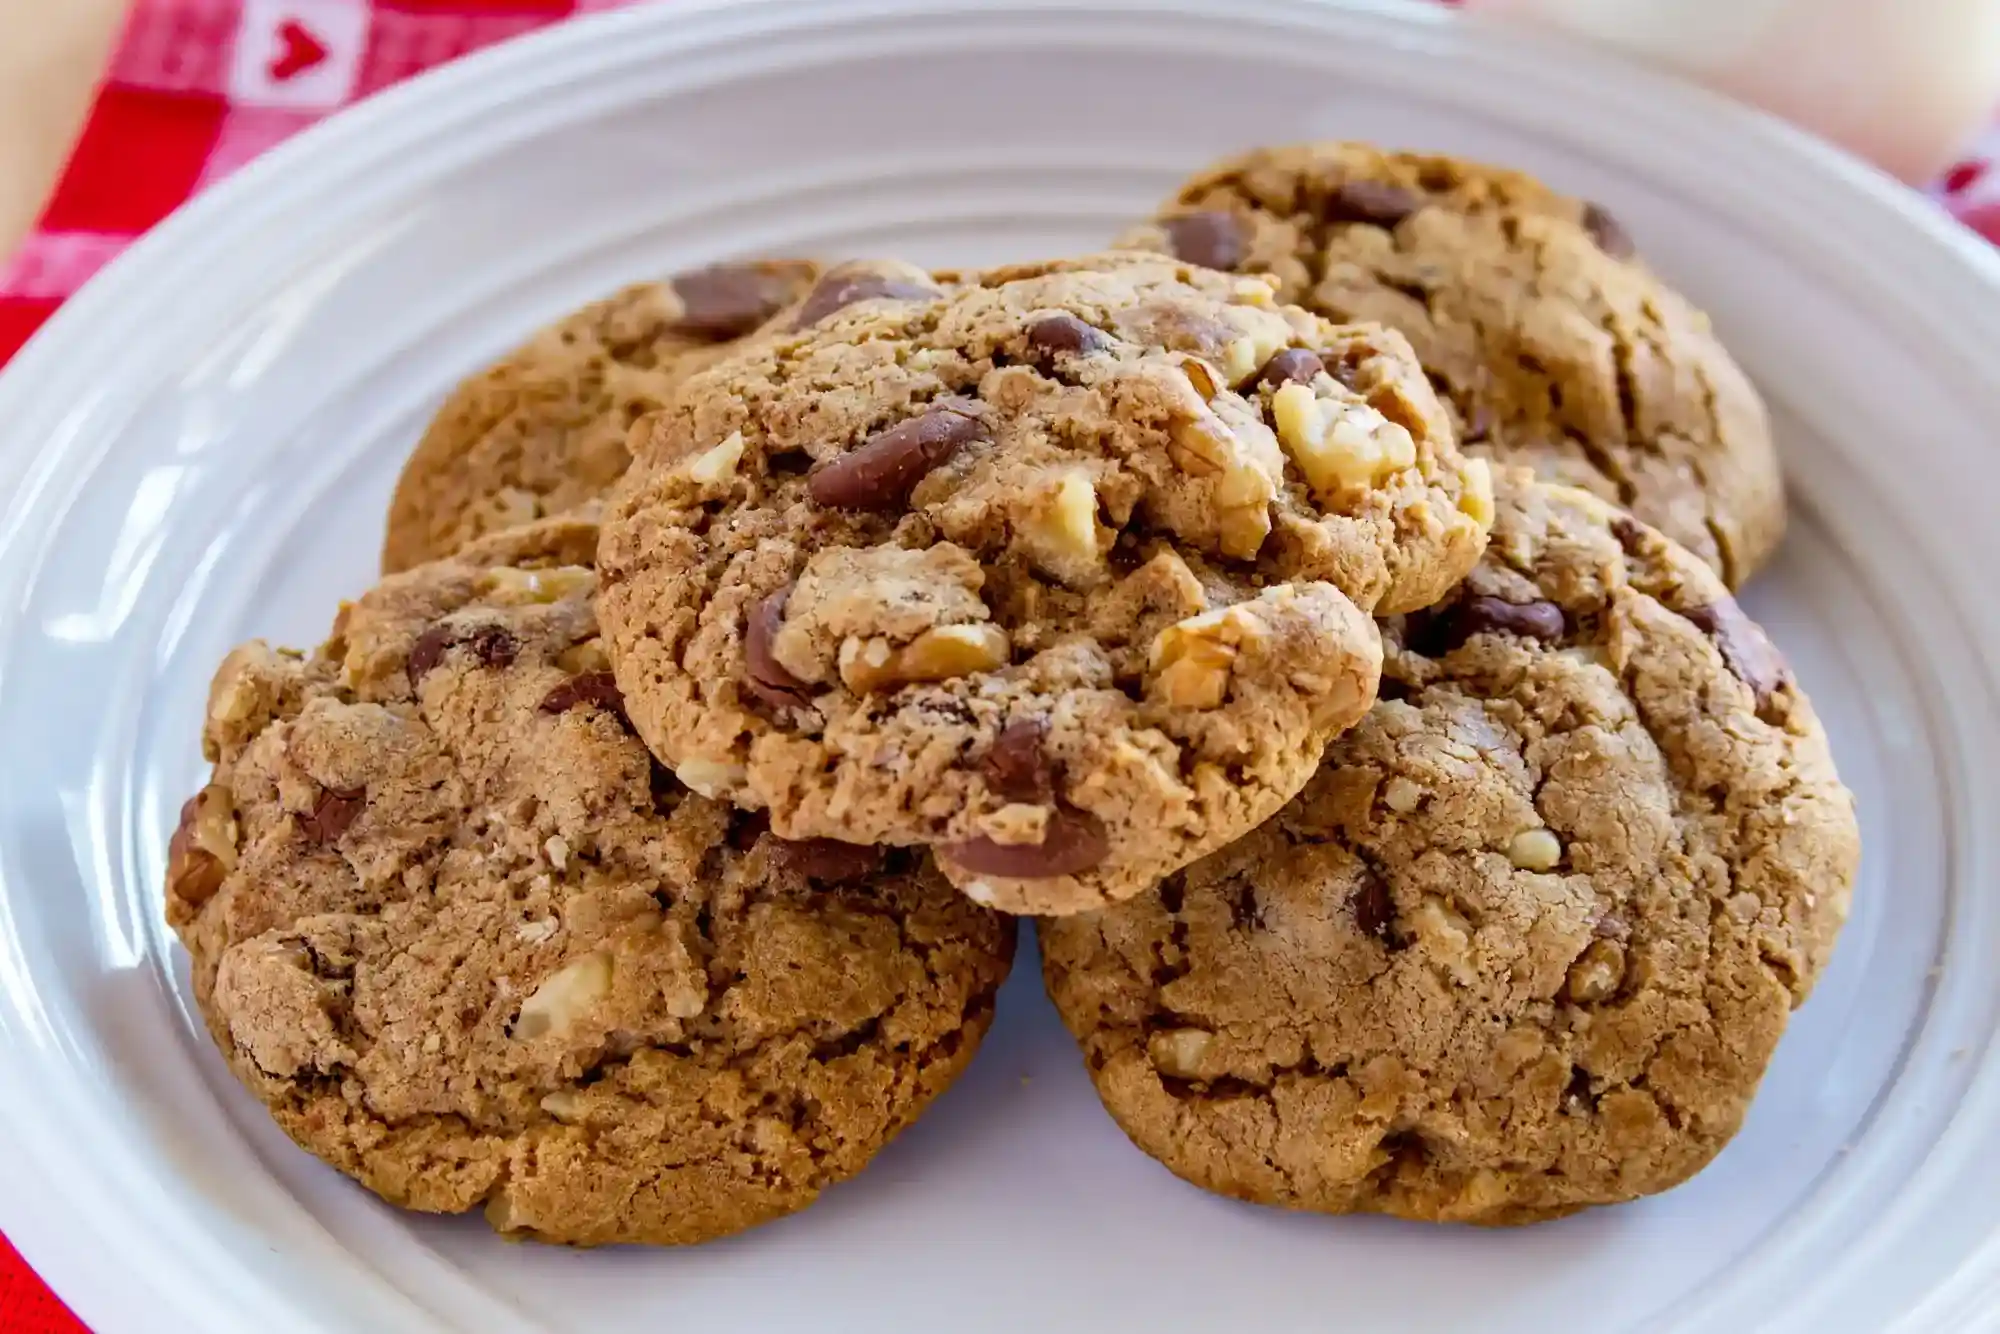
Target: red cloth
199, 87
26, 1307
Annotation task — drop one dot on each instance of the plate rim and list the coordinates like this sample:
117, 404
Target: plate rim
56, 1232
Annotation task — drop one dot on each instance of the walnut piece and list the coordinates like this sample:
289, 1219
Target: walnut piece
1062, 533
1476, 501
1338, 443
564, 996
1535, 850
589, 656
1178, 1052
1597, 972
1401, 795
1202, 445
717, 465
935, 655
511, 587
711, 778
1191, 660
202, 852
1206, 380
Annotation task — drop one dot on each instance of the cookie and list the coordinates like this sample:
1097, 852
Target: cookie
471, 946
1527, 940
1555, 347
1059, 569
543, 430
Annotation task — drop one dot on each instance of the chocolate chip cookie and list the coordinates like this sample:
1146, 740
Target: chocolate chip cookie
1060, 569
1527, 940
543, 430
472, 946
1554, 345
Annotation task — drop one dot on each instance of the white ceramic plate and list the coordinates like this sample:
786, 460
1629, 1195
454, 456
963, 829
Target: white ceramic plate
200, 447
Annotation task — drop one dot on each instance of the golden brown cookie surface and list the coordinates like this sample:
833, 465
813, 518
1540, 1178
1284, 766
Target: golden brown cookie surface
543, 430
1053, 568
1527, 940
1552, 343
471, 946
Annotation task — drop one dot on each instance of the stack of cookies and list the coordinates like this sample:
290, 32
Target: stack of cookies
1317, 611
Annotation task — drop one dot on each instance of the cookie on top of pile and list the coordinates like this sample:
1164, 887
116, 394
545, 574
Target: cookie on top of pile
1061, 570
631, 862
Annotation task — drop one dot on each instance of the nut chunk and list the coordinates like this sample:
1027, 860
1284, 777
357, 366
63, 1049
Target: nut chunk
563, 997
934, 655
859, 609
1060, 532
1338, 443
202, 852
1040, 500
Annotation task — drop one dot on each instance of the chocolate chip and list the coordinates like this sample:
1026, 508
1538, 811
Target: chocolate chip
597, 689
765, 675
1212, 239
1631, 534
1292, 365
491, 644
1074, 842
1016, 765
827, 859
1376, 203
1608, 232
1540, 619
881, 473
844, 287
1439, 632
729, 300
1065, 335
1374, 907
428, 651
1750, 653
332, 814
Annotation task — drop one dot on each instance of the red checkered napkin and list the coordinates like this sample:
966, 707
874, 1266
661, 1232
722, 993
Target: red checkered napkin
199, 87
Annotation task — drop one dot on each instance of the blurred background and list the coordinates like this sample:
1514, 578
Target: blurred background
151, 101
